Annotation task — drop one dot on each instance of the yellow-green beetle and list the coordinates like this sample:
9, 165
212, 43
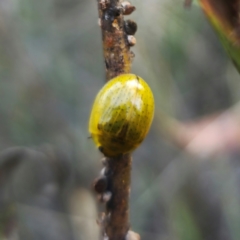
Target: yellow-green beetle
121, 115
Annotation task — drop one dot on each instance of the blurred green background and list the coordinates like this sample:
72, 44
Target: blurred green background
51, 68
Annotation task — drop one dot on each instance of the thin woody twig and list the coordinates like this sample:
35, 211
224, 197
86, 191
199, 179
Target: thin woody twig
116, 49
118, 58
117, 209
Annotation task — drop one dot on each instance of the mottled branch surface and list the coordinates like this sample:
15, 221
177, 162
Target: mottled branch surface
118, 57
119, 177
116, 49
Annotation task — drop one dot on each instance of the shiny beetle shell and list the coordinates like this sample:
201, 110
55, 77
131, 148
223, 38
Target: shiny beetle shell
121, 115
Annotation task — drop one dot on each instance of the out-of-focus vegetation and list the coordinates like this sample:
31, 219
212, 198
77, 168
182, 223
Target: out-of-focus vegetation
51, 68
224, 18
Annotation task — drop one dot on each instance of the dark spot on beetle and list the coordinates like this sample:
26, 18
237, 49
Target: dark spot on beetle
124, 130
137, 78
